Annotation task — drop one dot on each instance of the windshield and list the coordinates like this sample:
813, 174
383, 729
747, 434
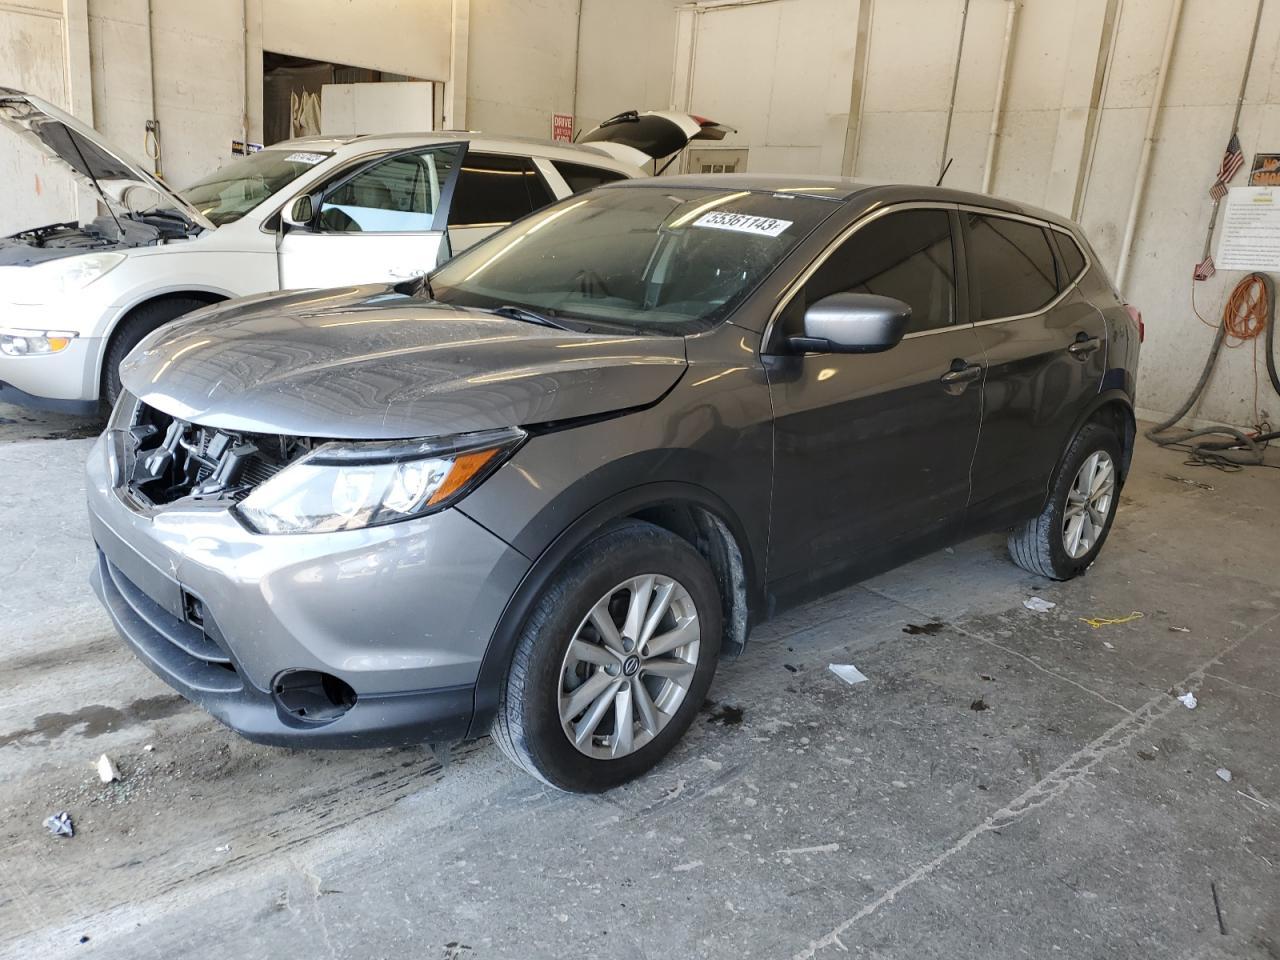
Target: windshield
230, 192
644, 258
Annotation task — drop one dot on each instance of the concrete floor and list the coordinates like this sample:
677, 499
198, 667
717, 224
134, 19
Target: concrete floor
1078, 814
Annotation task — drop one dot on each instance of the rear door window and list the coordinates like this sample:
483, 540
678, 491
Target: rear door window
907, 256
581, 176
1011, 264
495, 189
1073, 260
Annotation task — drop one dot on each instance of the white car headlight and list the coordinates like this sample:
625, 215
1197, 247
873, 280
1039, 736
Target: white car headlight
345, 486
47, 281
33, 343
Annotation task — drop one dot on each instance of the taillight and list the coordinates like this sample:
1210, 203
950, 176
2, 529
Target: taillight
1136, 316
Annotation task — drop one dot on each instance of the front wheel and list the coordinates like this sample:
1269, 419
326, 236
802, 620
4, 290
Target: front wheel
614, 661
1065, 538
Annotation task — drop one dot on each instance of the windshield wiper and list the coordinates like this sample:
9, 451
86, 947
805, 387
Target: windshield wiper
513, 312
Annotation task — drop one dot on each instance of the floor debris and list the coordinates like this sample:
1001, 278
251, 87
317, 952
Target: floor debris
929, 629
847, 672
107, 770
1198, 484
1097, 622
1217, 907
149, 748
60, 824
1224, 774
1188, 700
1038, 604
1179, 629
979, 704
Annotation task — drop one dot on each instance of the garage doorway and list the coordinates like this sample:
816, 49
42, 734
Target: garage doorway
293, 90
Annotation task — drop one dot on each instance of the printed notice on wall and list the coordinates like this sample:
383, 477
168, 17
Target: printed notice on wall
1250, 237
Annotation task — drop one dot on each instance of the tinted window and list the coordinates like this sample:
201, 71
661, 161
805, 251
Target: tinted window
396, 195
907, 256
1012, 264
1072, 257
581, 177
496, 189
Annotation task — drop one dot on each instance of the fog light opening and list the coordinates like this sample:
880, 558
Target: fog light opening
312, 696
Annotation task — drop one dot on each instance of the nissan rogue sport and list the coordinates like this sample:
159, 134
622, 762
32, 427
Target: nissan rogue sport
540, 491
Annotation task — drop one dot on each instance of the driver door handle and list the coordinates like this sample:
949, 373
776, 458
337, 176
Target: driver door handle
958, 378
1084, 346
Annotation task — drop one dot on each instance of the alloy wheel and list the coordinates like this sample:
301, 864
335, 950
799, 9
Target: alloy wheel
1088, 504
628, 667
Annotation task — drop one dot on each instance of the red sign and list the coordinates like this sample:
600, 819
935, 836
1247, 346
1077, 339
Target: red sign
562, 127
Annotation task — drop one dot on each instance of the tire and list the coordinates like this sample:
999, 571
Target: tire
129, 333
543, 677
1044, 544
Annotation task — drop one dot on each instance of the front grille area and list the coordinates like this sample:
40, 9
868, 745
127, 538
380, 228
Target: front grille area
167, 459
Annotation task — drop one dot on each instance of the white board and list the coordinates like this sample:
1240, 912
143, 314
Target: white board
357, 108
1250, 238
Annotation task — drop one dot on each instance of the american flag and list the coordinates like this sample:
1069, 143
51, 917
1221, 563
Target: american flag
1232, 161
1205, 269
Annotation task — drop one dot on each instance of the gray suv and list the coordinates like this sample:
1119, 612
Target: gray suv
540, 492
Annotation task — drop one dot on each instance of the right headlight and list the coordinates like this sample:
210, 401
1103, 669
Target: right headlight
346, 486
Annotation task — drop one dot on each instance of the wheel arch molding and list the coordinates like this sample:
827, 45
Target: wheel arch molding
687, 510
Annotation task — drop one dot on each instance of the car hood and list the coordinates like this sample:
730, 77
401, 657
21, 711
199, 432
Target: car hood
86, 155
372, 363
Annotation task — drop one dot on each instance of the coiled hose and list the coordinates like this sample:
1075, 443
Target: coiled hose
1250, 311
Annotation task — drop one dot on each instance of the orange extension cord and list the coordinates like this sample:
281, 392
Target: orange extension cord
1244, 317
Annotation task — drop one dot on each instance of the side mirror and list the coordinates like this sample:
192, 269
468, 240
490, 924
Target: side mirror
852, 323
299, 213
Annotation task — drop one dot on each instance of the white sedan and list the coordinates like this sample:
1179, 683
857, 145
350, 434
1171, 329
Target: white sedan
318, 212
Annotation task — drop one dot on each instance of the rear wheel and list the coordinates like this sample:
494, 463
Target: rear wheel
614, 661
129, 333
1065, 538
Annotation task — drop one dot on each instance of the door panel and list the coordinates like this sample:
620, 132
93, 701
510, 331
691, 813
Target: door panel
1043, 368
383, 222
872, 454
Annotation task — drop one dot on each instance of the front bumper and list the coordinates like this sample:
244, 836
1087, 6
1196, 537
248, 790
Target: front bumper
402, 614
65, 381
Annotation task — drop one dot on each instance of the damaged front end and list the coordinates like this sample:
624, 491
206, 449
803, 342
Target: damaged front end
164, 460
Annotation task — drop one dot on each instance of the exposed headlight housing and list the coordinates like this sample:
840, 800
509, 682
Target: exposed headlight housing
55, 278
32, 343
347, 486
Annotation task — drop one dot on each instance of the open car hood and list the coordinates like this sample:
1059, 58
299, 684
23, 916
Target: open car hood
89, 158
372, 363
636, 137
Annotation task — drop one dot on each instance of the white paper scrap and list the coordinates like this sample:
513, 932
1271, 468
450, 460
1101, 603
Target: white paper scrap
1188, 700
847, 672
1038, 604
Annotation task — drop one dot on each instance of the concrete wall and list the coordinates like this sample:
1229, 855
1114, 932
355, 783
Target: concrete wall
522, 65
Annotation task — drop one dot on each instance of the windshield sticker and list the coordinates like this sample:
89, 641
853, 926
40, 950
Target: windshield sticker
741, 222
304, 158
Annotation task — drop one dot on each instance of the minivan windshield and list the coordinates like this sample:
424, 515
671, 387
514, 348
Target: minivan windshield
644, 258
230, 192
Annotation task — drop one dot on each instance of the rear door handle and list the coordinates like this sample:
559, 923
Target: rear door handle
958, 378
1084, 346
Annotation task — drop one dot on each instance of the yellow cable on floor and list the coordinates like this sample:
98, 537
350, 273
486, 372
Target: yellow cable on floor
1097, 622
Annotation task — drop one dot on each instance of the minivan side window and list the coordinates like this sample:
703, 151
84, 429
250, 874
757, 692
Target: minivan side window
1073, 260
907, 256
397, 195
494, 189
1012, 264
580, 176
